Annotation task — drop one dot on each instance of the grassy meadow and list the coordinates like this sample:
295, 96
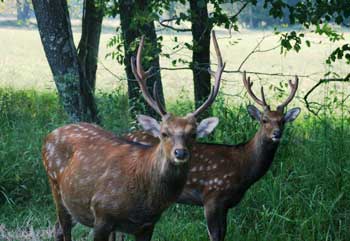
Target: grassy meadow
304, 196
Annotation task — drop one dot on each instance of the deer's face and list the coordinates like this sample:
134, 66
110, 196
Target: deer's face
177, 134
272, 122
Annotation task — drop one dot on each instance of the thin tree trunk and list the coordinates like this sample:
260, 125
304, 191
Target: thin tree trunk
132, 30
201, 28
88, 50
70, 79
19, 10
23, 11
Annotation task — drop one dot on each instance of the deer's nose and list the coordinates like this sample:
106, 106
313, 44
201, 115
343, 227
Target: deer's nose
277, 133
181, 154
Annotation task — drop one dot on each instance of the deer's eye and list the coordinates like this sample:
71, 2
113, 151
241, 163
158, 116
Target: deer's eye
164, 135
264, 121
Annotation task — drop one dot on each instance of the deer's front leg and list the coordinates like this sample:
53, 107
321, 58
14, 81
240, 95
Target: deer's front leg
145, 234
103, 229
116, 236
216, 216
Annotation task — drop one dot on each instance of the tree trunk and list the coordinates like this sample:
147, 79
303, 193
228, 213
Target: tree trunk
88, 49
201, 28
70, 79
23, 11
132, 29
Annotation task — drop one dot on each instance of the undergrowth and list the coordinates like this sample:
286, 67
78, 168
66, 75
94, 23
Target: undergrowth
304, 196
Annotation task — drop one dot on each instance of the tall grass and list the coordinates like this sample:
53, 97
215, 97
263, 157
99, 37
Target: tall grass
305, 195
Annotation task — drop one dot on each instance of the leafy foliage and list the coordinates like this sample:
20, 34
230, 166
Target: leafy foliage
340, 53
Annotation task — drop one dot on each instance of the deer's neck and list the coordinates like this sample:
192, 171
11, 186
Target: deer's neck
260, 154
166, 179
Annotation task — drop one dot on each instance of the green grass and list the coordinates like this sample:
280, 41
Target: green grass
304, 196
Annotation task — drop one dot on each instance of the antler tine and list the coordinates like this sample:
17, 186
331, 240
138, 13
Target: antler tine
248, 85
141, 77
217, 75
139, 69
263, 97
293, 87
156, 96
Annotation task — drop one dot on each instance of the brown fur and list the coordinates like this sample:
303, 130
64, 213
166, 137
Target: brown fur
221, 174
110, 184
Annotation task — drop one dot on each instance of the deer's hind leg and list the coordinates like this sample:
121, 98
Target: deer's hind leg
64, 223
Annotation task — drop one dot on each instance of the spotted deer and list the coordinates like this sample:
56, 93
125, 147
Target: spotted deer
109, 184
221, 174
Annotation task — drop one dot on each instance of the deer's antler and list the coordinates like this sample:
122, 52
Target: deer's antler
248, 85
217, 75
293, 87
142, 76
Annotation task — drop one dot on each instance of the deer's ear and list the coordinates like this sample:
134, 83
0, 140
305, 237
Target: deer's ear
291, 114
254, 112
149, 124
206, 126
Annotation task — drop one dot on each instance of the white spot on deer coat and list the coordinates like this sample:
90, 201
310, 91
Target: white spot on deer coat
51, 149
58, 162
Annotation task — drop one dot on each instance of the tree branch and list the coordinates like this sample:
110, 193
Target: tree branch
265, 73
240, 10
320, 82
162, 23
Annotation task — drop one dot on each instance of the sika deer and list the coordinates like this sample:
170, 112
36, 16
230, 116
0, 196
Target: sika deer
221, 174
107, 183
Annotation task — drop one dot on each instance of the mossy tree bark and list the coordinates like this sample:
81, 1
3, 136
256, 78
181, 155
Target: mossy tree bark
74, 73
135, 22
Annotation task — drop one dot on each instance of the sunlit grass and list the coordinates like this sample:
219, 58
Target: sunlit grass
23, 63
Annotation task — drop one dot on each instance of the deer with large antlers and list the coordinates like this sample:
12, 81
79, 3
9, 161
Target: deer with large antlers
221, 174
107, 183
